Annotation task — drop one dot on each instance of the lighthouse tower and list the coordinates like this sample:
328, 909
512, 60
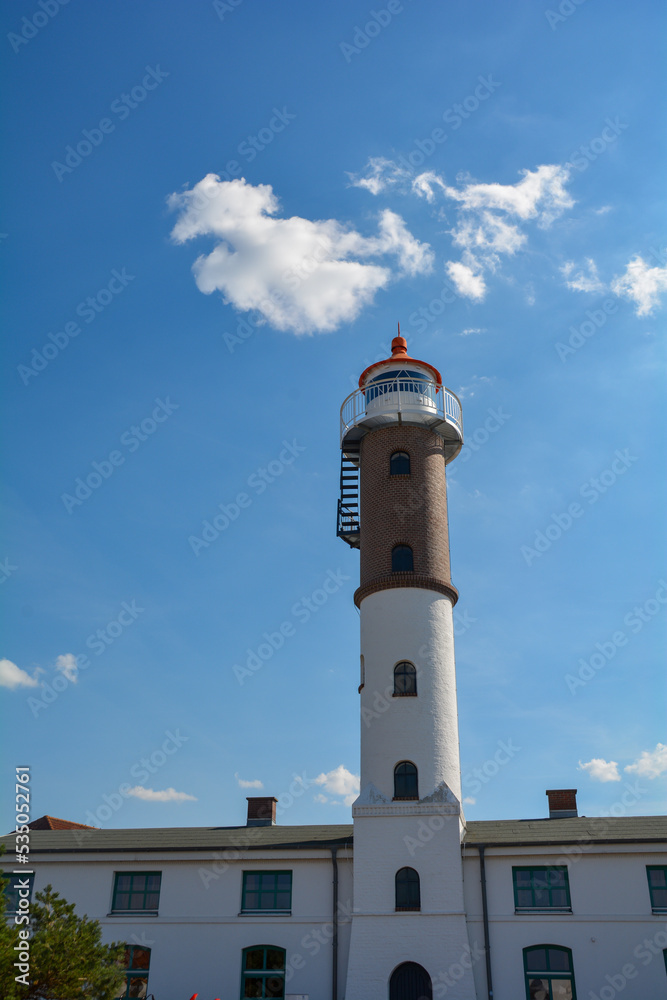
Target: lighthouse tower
399, 430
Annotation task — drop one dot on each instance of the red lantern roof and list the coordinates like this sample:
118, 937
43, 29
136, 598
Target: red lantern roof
399, 354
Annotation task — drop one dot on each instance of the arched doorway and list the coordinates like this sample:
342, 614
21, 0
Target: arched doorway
410, 981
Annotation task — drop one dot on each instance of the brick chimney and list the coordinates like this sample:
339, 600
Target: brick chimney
261, 811
562, 803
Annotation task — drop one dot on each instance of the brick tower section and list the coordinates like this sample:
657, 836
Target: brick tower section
404, 510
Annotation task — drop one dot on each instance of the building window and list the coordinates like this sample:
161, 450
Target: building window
138, 892
549, 974
263, 971
544, 888
401, 559
137, 961
405, 679
11, 886
405, 781
408, 895
399, 464
657, 885
362, 672
264, 891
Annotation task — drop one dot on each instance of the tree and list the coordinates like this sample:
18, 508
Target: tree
9, 938
67, 958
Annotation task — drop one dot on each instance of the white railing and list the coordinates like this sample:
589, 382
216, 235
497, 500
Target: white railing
400, 394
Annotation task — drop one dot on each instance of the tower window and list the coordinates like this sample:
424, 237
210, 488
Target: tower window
405, 679
408, 895
401, 559
549, 973
399, 464
405, 781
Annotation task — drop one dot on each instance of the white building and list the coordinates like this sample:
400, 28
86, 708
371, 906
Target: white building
430, 905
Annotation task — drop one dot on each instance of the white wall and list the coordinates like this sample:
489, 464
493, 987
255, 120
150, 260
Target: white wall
611, 918
198, 937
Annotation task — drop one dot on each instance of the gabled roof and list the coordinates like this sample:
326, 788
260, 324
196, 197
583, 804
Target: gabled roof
53, 823
196, 838
77, 838
573, 830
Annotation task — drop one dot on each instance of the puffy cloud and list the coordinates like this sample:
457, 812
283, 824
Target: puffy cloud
298, 274
320, 798
66, 664
582, 280
340, 782
164, 795
467, 283
489, 217
601, 770
540, 195
642, 284
651, 764
242, 783
12, 676
472, 329
470, 801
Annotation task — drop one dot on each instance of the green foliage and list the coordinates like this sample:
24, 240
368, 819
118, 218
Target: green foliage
67, 958
9, 936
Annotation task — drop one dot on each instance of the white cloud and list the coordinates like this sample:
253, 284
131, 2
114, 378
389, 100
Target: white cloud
470, 801
540, 195
165, 795
642, 284
651, 764
320, 798
601, 770
298, 274
340, 782
472, 329
380, 175
582, 279
242, 783
66, 664
424, 185
12, 676
467, 283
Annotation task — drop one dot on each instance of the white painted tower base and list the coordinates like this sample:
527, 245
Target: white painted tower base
424, 835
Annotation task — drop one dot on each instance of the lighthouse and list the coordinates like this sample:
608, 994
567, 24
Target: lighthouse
399, 430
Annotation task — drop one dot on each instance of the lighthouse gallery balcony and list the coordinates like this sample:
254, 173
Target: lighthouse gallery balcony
403, 396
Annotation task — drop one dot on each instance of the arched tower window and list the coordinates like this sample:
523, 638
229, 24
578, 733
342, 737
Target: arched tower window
401, 559
405, 781
410, 981
408, 895
399, 464
405, 679
549, 971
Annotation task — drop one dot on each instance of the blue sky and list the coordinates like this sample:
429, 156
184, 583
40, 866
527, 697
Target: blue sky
489, 176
